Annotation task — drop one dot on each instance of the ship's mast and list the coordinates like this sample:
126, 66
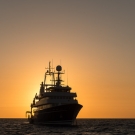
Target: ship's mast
56, 81
51, 73
58, 68
49, 68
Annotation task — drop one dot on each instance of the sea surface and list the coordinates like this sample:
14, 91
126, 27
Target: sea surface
82, 127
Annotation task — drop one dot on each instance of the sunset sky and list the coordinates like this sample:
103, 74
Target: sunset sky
93, 40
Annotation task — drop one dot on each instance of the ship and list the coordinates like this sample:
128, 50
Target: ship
55, 104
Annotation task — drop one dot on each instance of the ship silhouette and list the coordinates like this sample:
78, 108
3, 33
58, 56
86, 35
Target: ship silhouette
55, 104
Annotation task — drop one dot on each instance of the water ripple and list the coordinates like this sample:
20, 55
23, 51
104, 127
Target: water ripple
84, 127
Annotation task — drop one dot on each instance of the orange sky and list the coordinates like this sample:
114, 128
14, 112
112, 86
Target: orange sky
93, 39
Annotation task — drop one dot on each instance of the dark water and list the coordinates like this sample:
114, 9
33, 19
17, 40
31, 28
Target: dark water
84, 127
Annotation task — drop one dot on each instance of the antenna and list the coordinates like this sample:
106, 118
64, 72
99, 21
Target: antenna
52, 64
49, 67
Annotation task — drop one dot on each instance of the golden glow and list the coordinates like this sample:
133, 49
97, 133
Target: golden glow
93, 40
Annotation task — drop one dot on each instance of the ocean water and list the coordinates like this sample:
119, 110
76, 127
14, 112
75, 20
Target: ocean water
83, 127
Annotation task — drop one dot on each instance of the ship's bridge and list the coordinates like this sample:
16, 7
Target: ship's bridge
58, 89
57, 98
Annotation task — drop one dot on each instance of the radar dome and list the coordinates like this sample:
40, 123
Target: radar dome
58, 68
